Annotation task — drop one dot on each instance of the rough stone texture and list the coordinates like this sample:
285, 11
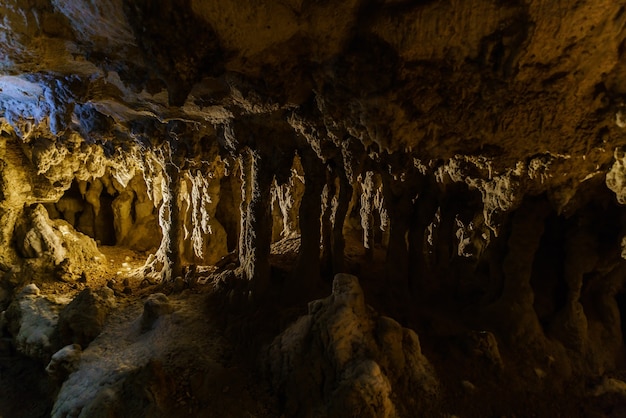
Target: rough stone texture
40, 239
426, 88
84, 317
471, 153
154, 307
32, 321
140, 391
344, 359
55, 243
64, 362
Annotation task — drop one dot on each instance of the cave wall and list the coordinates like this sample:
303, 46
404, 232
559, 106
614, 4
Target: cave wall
469, 154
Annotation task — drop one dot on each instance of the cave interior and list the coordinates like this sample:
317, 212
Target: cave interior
371, 208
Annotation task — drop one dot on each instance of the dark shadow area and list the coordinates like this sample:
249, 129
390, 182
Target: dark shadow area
620, 298
547, 279
25, 388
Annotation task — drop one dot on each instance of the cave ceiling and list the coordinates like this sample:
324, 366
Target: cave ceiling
511, 98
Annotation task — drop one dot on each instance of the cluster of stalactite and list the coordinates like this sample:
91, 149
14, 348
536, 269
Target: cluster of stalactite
541, 273
496, 242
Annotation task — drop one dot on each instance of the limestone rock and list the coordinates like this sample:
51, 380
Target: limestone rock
64, 362
482, 345
616, 177
83, 319
38, 238
154, 307
461, 141
32, 320
343, 359
82, 251
55, 243
141, 391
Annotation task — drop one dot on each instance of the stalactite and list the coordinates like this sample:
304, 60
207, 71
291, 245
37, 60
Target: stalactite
308, 266
424, 210
338, 241
329, 206
204, 237
228, 210
336, 198
175, 174
371, 202
581, 258
247, 187
399, 192
286, 199
256, 224
92, 195
157, 267
517, 317
200, 199
122, 215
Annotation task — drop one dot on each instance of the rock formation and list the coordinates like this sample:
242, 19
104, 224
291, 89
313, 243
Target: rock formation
465, 159
342, 359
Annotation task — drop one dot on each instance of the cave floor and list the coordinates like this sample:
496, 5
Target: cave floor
190, 368
117, 269
202, 360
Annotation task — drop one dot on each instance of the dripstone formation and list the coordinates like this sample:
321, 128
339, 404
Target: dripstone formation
230, 161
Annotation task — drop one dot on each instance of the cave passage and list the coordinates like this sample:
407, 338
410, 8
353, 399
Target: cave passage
78, 212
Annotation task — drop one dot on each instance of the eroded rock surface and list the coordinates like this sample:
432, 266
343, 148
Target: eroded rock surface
344, 359
32, 320
64, 362
154, 307
84, 317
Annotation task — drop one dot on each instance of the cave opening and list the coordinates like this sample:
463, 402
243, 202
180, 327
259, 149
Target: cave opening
122, 221
77, 211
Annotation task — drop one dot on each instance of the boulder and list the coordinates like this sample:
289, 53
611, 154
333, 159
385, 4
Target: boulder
64, 362
141, 391
36, 236
154, 307
56, 243
32, 321
83, 319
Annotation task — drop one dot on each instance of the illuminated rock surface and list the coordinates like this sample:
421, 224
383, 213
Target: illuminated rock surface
463, 159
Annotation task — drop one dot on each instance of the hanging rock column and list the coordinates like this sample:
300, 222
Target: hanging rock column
336, 204
256, 219
399, 192
581, 257
514, 311
424, 210
175, 174
338, 243
308, 266
264, 146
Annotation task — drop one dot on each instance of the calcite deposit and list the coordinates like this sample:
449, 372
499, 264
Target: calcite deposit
464, 159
